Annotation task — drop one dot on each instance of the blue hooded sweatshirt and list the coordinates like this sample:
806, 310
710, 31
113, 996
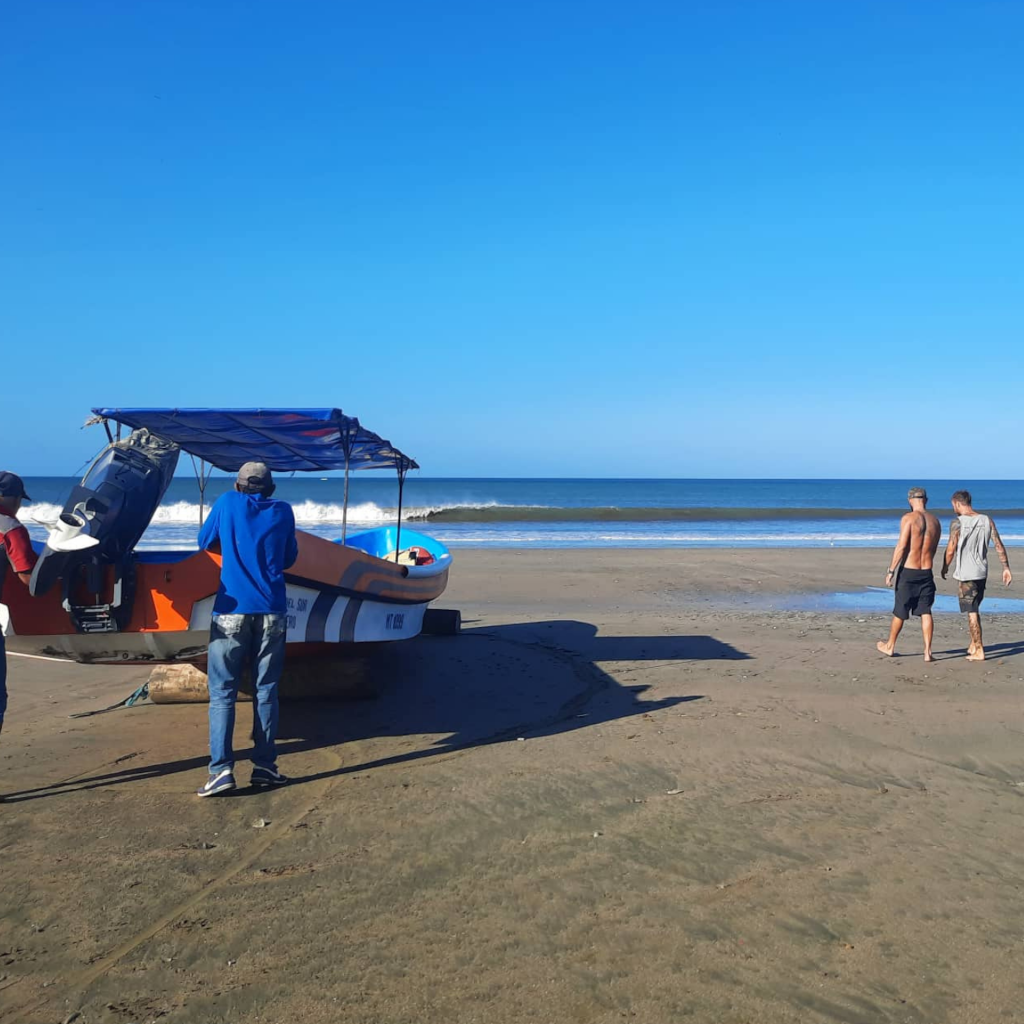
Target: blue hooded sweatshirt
257, 544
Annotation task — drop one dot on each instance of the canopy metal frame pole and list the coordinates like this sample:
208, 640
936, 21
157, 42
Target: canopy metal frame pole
202, 472
344, 506
401, 487
347, 445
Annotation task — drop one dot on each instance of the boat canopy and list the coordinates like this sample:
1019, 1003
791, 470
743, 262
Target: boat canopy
287, 440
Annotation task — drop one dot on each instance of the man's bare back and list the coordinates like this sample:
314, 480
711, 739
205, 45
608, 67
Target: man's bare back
910, 572
921, 532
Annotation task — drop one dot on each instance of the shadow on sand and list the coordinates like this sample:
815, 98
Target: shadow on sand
486, 685
992, 651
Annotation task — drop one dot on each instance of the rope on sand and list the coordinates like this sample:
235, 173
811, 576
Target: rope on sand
141, 694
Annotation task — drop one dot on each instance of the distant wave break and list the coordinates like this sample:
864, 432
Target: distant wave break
312, 513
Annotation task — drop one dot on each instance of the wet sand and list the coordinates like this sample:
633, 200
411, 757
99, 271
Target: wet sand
632, 789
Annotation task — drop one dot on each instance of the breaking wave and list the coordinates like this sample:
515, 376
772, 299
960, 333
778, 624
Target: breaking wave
313, 513
39, 513
307, 513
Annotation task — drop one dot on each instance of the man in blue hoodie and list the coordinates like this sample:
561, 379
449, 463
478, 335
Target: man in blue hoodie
255, 536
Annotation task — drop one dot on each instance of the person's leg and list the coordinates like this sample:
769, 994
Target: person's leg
976, 652
903, 603
888, 647
224, 665
925, 603
971, 594
268, 662
928, 629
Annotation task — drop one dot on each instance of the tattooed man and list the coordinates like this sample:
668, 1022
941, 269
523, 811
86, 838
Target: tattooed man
910, 571
969, 537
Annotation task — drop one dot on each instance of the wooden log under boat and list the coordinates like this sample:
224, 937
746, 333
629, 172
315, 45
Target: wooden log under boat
350, 678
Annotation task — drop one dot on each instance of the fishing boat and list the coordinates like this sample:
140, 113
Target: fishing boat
94, 597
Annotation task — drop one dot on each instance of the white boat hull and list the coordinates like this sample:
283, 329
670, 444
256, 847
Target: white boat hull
313, 617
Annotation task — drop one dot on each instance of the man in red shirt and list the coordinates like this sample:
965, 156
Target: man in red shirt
15, 549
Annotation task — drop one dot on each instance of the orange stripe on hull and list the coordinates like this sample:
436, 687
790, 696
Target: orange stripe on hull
356, 572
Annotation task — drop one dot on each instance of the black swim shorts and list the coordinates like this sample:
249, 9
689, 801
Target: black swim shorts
971, 594
915, 593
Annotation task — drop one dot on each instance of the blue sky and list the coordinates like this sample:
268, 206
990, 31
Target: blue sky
644, 239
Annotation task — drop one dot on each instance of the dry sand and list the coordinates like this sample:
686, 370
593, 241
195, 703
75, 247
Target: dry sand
630, 790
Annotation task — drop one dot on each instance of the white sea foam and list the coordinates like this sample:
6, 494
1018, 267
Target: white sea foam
187, 513
40, 513
306, 512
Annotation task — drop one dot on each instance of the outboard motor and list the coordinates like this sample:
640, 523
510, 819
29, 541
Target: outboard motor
102, 522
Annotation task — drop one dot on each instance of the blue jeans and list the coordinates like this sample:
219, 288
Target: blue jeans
234, 640
3, 679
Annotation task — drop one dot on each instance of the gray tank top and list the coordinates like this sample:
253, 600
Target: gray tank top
972, 548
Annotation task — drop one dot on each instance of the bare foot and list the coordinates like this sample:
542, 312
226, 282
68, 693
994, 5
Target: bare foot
977, 656
970, 649
928, 657
885, 648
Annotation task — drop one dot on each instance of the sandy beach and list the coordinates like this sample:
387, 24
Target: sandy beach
641, 785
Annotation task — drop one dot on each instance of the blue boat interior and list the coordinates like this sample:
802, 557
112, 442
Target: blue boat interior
382, 540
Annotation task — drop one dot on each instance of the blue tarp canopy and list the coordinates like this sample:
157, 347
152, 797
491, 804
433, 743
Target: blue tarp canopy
286, 440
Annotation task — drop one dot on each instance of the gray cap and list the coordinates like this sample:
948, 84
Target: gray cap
917, 492
255, 476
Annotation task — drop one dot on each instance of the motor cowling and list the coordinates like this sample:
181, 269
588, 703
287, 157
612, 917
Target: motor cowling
105, 516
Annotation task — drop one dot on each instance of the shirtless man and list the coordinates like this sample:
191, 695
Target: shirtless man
970, 534
911, 569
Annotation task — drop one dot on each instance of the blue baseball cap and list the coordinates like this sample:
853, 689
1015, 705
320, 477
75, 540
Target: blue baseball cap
12, 486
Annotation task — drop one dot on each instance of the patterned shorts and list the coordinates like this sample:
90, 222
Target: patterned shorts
972, 592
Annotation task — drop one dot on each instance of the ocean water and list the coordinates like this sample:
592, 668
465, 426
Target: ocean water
550, 513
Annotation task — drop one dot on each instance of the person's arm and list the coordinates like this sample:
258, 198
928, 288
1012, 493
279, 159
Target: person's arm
1001, 552
954, 537
20, 553
291, 550
900, 551
209, 532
